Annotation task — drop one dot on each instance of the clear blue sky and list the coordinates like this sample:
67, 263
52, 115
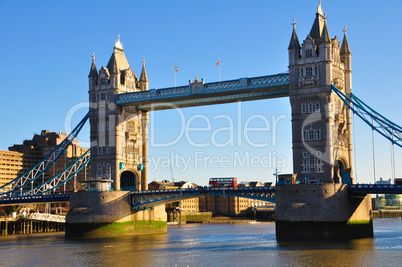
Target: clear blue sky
46, 49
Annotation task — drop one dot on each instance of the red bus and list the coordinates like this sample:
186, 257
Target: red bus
223, 182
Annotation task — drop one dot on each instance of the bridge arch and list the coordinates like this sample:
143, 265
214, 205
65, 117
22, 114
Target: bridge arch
129, 180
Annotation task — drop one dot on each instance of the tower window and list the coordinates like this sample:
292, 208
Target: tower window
303, 108
317, 106
309, 53
103, 81
309, 71
310, 108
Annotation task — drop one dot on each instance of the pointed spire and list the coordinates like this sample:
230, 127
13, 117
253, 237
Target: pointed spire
117, 44
93, 71
294, 40
325, 38
143, 77
345, 45
319, 8
118, 60
318, 25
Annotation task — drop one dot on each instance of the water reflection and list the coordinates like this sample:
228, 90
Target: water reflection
205, 245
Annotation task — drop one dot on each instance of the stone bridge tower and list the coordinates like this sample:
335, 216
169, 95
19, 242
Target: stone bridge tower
119, 135
321, 122
320, 207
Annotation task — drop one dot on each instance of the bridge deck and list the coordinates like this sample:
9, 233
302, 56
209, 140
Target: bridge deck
374, 189
243, 89
158, 197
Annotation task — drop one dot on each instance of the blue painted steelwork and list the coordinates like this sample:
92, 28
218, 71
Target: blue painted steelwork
34, 199
375, 120
61, 178
158, 197
41, 167
364, 189
209, 93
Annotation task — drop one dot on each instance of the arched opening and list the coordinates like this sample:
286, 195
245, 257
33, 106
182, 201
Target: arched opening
127, 181
342, 175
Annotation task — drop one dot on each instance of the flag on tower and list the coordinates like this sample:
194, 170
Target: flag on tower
175, 69
218, 63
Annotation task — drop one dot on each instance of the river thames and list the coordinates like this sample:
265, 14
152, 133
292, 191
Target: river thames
205, 245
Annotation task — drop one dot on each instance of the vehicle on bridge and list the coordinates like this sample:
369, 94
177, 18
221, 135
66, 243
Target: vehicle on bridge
223, 182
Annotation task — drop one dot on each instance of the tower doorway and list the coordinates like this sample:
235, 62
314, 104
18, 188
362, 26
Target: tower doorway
343, 175
127, 181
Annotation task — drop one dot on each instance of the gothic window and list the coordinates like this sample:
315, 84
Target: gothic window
312, 168
303, 108
309, 71
109, 170
301, 72
318, 134
320, 167
102, 96
305, 155
99, 170
102, 81
310, 108
309, 53
315, 70
311, 135
312, 160
305, 136
100, 151
317, 106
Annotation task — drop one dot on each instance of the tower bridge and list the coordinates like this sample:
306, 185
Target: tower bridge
319, 86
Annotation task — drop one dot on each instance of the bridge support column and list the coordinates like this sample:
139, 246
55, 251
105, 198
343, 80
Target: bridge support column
144, 125
321, 212
109, 214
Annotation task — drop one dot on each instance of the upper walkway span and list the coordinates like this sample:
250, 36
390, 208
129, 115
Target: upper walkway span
200, 93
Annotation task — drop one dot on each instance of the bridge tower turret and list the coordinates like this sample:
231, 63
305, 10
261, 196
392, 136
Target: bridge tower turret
117, 133
321, 123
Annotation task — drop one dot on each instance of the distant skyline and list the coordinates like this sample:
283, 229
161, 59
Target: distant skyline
46, 56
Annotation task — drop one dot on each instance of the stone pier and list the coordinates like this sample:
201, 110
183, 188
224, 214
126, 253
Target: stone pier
109, 214
321, 212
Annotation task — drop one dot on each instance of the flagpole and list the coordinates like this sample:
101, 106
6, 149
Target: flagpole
175, 79
219, 69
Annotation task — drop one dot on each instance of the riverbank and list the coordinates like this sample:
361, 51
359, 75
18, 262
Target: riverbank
385, 214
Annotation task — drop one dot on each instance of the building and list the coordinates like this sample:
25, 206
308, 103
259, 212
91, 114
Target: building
14, 164
190, 205
227, 205
22, 157
387, 201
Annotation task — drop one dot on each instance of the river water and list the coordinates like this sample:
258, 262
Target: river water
205, 245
